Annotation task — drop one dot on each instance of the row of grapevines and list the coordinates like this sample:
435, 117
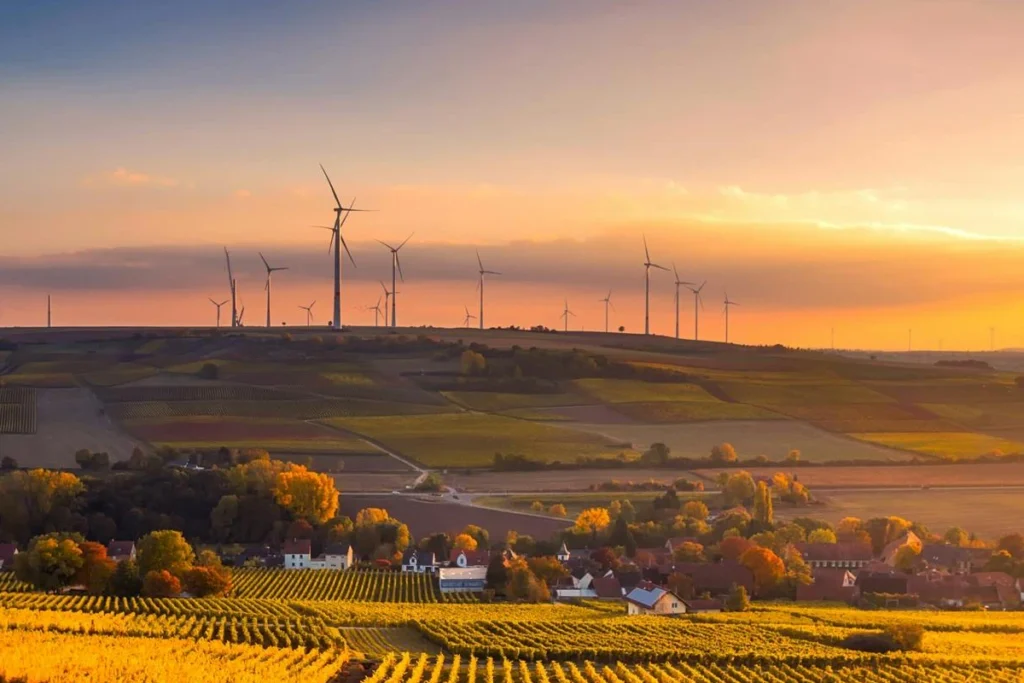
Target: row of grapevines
327, 584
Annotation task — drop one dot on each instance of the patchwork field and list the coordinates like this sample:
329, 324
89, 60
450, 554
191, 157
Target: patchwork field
493, 402
471, 440
574, 503
272, 434
988, 474
556, 480
945, 445
772, 438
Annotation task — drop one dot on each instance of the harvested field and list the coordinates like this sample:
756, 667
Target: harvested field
354, 482
773, 438
982, 416
429, 517
945, 445
300, 409
190, 392
669, 412
372, 461
492, 401
989, 513
273, 435
861, 417
472, 439
981, 474
66, 421
632, 391
963, 391
589, 414
556, 480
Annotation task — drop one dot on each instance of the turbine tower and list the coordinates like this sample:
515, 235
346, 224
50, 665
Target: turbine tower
309, 313
647, 286
48, 318
480, 285
337, 242
218, 305
728, 302
565, 315
270, 271
607, 303
469, 316
376, 312
235, 317
678, 283
697, 301
387, 297
396, 265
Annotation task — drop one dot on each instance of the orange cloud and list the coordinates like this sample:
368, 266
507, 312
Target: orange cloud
122, 177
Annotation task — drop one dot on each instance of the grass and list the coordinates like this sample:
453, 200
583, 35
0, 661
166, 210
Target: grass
493, 401
666, 412
945, 445
981, 415
471, 440
969, 390
632, 391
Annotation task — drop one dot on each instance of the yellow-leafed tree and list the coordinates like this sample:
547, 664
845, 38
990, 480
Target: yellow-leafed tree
593, 520
308, 495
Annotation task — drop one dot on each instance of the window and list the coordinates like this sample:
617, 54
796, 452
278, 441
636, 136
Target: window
675, 605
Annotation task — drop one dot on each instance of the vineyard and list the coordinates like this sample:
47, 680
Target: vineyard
334, 585
17, 410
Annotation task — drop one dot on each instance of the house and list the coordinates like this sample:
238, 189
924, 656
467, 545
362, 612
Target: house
566, 556
652, 557
121, 550
563, 555
336, 556
469, 558
7, 553
703, 606
829, 585
713, 578
888, 554
419, 561
853, 555
462, 579
650, 599
953, 559
297, 553
259, 555
888, 583
607, 588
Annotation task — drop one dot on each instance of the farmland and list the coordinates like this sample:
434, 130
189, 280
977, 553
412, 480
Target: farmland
335, 585
271, 434
17, 410
946, 445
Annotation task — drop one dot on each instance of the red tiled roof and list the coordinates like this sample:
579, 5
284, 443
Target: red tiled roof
298, 546
717, 579
473, 557
607, 587
827, 585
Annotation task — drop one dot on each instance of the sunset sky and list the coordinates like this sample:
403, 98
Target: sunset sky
856, 165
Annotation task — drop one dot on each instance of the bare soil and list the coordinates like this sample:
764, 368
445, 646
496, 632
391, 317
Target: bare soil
356, 482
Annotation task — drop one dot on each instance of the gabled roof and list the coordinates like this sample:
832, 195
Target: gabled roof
607, 587
424, 558
646, 595
120, 548
473, 557
717, 578
337, 549
7, 552
835, 552
564, 550
298, 546
828, 583
881, 582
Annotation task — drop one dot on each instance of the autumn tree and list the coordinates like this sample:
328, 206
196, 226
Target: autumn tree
472, 363
739, 489
29, 500
547, 569
680, 584
695, 509
371, 516
767, 567
51, 561
1012, 544
308, 495
557, 510
906, 557
96, 569
763, 513
821, 536
723, 453
126, 581
204, 581
738, 600
165, 550
223, 516
592, 520
523, 585
464, 542
160, 584
955, 536
733, 547
258, 477
482, 536
689, 551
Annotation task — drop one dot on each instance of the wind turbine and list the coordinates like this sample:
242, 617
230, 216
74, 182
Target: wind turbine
48, 318
231, 285
647, 286
396, 265
480, 285
469, 316
309, 313
376, 312
387, 296
337, 242
218, 305
728, 303
607, 302
241, 314
270, 271
565, 315
697, 300
678, 283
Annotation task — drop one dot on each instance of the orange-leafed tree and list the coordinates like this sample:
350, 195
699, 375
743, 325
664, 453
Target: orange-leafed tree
160, 584
308, 495
767, 567
464, 542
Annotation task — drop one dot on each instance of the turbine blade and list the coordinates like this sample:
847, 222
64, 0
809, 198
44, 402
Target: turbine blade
480, 262
330, 245
655, 265
386, 244
345, 245
332, 186
647, 252
405, 240
345, 217
264, 260
398, 262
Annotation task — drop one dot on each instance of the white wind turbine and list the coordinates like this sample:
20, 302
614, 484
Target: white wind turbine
337, 242
697, 301
309, 313
728, 303
678, 283
565, 315
647, 286
387, 296
270, 271
396, 265
480, 285
469, 316
607, 303
234, 290
376, 312
218, 305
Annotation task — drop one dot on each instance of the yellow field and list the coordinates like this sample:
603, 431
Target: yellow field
946, 445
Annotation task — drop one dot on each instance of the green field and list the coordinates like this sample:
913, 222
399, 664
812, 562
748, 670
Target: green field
471, 440
632, 391
800, 391
945, 445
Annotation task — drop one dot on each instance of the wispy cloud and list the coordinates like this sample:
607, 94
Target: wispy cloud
123, 177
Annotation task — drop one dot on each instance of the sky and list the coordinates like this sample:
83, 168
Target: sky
853, 166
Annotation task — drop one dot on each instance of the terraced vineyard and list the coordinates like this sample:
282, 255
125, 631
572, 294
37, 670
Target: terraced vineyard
334, 585
17, 410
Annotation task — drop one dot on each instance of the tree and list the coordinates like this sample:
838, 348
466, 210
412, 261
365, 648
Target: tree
482, 536
695, 509
160, 584
203, 581
223, 516
464, 542
371, 516
523, 585
1012, 544
763, 512
309, 495
793, 456
627, 512
657, 455
537, 506
439, 544
300, 529
497, 574
431, 482
547, 569
29, 500
681, 585
733, 547
557, 510
723, 453
906, 557
956, 536
209, 371
739, 489
689, 552
7, 463
472, 363
884, 530
605, 558
50, 562
592, 520
96, 570
165, 550
738, 601
126, 581
848, 526
767, 567
821, 536
1001, 561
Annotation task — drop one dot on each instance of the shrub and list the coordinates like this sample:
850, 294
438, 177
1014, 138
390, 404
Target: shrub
209, 371
894, 638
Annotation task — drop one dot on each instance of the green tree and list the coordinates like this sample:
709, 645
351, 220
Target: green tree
223, 516
628, 512
956, 536
657, 455
821, 536
164, 550
126, 581
497, 574
51, 561
763, 512
738, 600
